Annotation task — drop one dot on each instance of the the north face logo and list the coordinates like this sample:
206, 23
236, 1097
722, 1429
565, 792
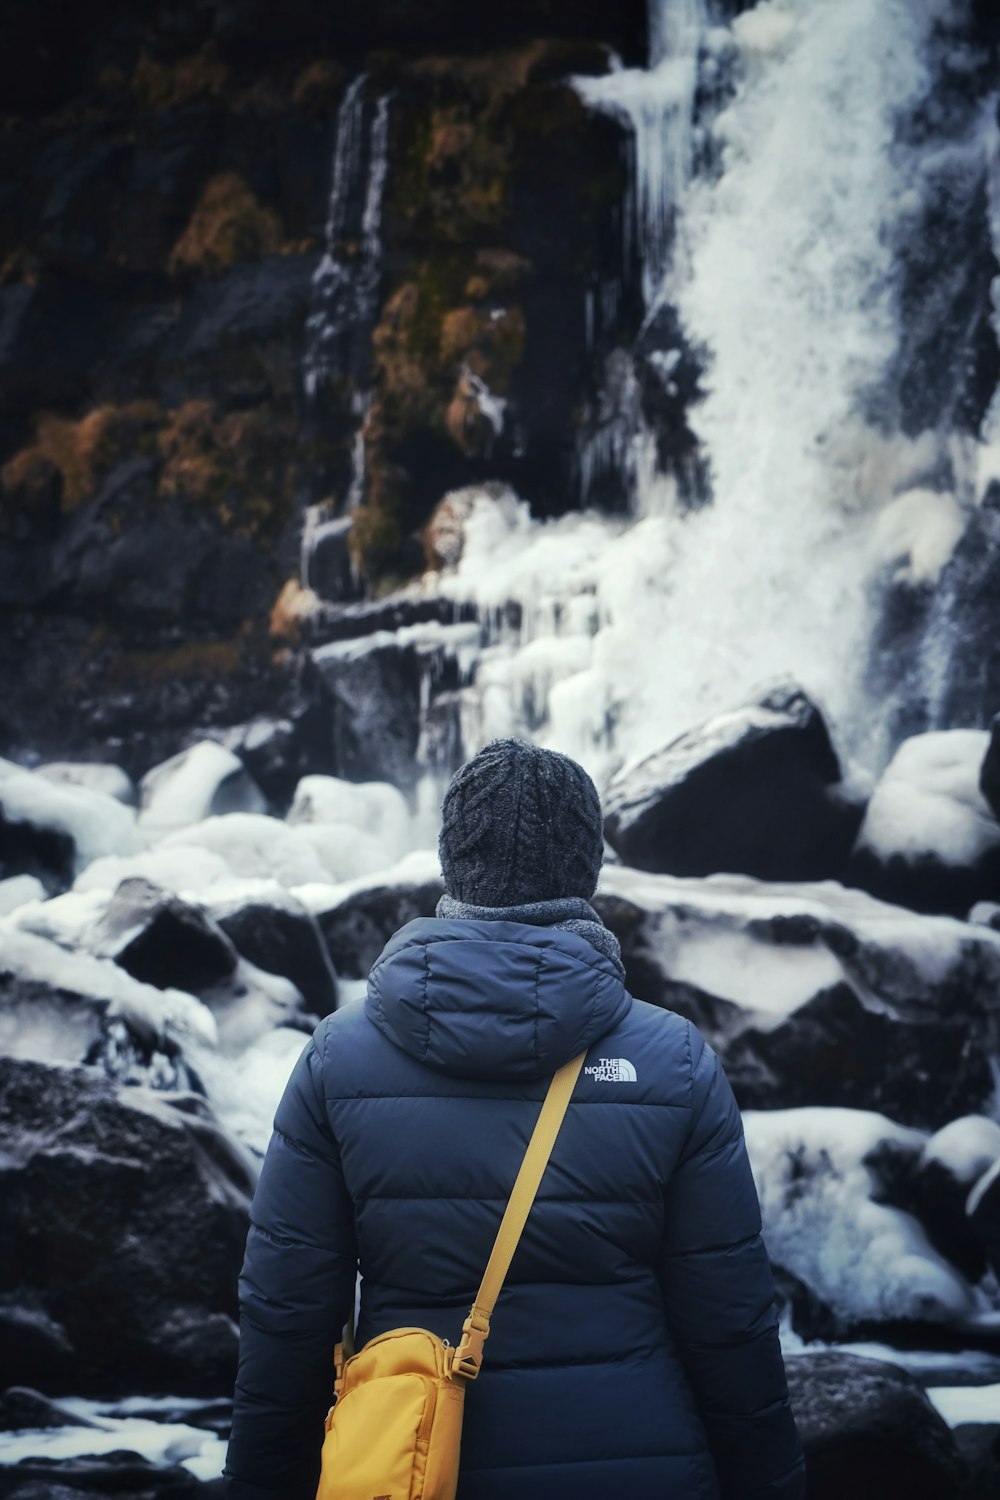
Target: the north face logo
613, 1070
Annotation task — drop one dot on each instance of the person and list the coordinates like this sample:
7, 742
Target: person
634, 1348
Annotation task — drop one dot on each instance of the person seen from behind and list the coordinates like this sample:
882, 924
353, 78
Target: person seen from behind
634, 1348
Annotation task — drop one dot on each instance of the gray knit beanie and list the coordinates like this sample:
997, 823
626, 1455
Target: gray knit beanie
518, 825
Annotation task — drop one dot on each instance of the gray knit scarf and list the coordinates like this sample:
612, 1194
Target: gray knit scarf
571, 914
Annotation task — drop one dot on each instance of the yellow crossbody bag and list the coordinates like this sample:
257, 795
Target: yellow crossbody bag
394, 1431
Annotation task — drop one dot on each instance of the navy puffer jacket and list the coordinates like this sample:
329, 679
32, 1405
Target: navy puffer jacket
634, 1348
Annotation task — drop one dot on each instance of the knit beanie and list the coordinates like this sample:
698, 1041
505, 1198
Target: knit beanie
519, 825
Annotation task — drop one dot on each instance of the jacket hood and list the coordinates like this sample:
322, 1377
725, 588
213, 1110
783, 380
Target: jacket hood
493, 1000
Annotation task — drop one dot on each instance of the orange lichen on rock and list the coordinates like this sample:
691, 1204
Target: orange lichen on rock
294, 604
317, 86
236, 463
80, 450
164, 85
229, 224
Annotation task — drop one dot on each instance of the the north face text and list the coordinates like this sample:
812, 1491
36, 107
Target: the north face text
612, 1070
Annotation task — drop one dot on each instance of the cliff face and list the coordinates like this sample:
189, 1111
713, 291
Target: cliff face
165, 417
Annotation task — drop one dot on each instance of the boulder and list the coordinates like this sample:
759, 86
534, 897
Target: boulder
110, 780
73, 1007
140, 1202
870, 1432
706, 802
979, 1445
953, 1161
272, 751
989, 771
374, 808
54, 830
279, 935
815, 993
983, 1209
359, 920
203, 782
374, 686
161, 940
930, 839
122, 1474
22, 1408
824, 1177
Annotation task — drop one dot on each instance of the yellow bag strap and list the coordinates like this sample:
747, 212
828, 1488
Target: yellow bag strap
469, 1354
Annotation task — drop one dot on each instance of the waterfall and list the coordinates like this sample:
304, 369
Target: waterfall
346, 291
775, 224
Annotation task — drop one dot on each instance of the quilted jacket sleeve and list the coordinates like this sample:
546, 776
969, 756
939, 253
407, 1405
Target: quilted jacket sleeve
719, 1296
296, 1292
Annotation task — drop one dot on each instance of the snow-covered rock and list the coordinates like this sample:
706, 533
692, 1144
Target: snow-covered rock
205, 781
256, 847
158, 938
161, 1015
817, 1178
930, 839
989, 771
817, 993
359, 917
53, 830
868, 1429
19, 890
953, 1161
109, 780
186, 869
375, 808
276, 933
749, 792
143, 1299
374, 686
983, 1209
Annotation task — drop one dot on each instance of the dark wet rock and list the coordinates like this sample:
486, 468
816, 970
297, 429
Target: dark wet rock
351, 621
159, 939
979, 1445
989, 772
358, 928
271, 750
141, 1203
869, 1431
374, 687
280, 936
983, 1208
929, 839
328, 568
705, 803
29, 849
940, 1191
838, 1049
22, 1408
123, 1474
44, 1352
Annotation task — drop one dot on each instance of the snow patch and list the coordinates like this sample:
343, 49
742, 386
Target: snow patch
928, 801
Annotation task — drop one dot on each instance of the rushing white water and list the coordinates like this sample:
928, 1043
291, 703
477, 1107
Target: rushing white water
782, 260
658, 105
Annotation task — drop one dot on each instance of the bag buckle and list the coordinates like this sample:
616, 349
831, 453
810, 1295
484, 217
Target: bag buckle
468, 1357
